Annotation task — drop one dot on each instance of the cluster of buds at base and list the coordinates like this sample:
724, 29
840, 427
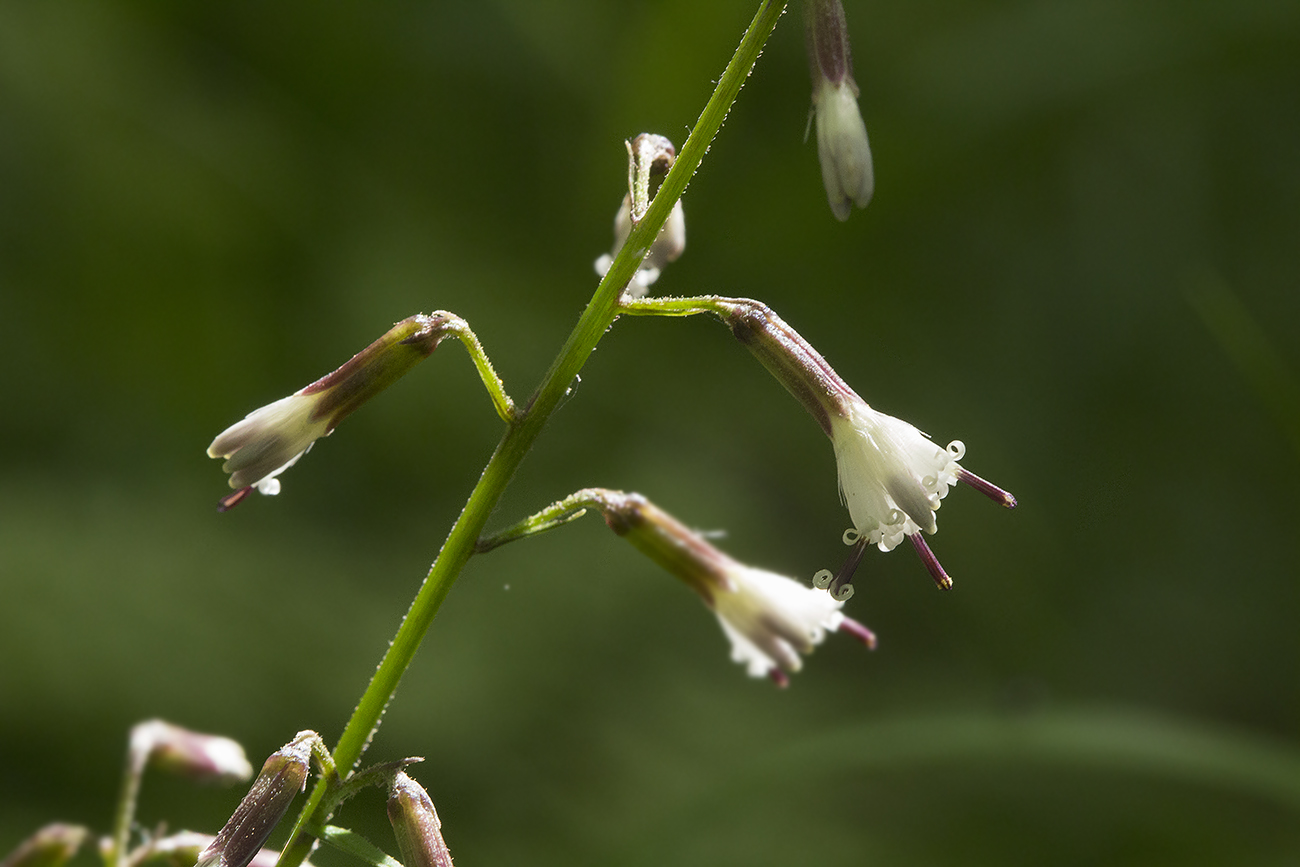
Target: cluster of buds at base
770, 619
649, 158
282, 777
51, 846
842, 146
416, 824
271, 439
892, 476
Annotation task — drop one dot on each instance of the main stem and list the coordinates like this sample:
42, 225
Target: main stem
519, 436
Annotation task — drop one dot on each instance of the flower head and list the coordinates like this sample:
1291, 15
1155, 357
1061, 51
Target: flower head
892, 476
770, 619
842, 146
271, 439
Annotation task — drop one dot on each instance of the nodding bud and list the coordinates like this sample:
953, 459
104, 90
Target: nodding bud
282, 777
649, 157
270, 440
416, 824
51, 846
192, 754
842, 146
769, 619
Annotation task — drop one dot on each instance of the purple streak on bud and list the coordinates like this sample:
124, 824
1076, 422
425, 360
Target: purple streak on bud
827, 36
416, 824
778, 677
282, 777
987, 488
791, 359
51, 846
857, 630
377, 366
941, 578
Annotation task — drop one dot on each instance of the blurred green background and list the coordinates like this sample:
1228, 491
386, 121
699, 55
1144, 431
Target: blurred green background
1080, 260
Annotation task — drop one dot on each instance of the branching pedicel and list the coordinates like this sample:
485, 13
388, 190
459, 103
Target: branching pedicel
892, 478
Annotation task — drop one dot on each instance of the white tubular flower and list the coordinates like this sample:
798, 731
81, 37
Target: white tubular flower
892, 476
271, 439
770, 619
842, 146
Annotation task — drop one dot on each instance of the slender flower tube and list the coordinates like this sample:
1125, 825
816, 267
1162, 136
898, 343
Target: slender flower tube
416, 825
842, 146
770, 619
892, 476
271, 439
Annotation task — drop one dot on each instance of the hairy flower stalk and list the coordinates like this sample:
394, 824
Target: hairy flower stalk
282, 777
416, 825
271, 439
842, 146
892, 476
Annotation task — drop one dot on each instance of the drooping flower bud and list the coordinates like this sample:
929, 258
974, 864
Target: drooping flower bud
416, 825
282, 777
842, 146
770, 619
271, 439
51, 846
188, 753
649, 159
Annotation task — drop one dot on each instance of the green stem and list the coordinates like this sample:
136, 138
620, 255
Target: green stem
518, 438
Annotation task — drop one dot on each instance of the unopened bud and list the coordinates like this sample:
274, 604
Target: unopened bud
51, 846
189, 753
649, 159
416, 824
282, 777
842, 146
